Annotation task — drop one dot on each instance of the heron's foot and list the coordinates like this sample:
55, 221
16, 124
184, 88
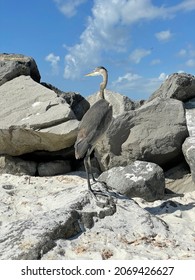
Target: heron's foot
107, 193
93, 194
97, 194
102, 199
104, 184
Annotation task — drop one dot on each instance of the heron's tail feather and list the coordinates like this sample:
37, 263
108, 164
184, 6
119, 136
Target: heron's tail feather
81, 148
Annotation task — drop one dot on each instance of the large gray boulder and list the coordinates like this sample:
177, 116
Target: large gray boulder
179, 86
140, 179
33, 118
159, 132
155, 133
14, 65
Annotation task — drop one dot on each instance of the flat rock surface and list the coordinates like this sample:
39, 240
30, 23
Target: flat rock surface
56, 218
33, 118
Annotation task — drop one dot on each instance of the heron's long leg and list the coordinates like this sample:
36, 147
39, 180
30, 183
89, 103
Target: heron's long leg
90, 169
91, 172
87, 171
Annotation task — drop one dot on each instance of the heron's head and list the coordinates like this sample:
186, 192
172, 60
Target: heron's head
100, 70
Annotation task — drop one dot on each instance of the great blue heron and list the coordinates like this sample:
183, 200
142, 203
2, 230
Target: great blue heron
93, 126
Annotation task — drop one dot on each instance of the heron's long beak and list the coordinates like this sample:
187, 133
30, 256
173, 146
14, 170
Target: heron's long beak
93, 73
89, 74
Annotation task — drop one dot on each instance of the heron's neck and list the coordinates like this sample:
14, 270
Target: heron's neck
103, 85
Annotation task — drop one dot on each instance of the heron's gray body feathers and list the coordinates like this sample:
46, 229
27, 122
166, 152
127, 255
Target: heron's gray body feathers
93, 126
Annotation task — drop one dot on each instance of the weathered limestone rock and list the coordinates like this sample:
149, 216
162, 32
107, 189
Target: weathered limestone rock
33, 118
140, 179
56, 218
35, 212
179, 86
190, 116
14, 65
189, 153
114, 237
189, 144
155, 133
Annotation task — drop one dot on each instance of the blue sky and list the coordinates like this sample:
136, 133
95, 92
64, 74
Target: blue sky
140, 42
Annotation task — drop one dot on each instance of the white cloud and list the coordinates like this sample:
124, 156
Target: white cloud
191, 52
137, 55
132, 82
69, 7
182, 52
53, 59
185, 5
190, 62
108, 29
127, 82
164, 36
162, 77
188, 53
129, 78
181, 71
155, 61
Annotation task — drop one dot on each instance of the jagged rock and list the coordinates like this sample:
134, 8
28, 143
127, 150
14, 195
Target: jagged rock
78, 103
140, 179
189, 153
151, 133
14, 65
36, 120
120, 103
52, 168
179, 86
17, 166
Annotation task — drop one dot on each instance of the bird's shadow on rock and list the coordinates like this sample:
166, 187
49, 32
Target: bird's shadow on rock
169, 207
